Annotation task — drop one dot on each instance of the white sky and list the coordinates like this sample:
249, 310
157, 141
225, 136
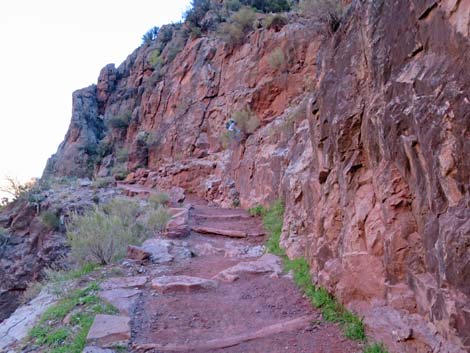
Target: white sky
50, 48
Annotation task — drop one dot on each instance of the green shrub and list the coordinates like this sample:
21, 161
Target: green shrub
268, 5
101, 183
232, 5
156, 219
150, 35
104, 148
119, 172
240, 23
274, 22
257, 210
120, 121
277, 59
176, 45
196, 13
50, 220
375, 348
246, 120
122, 154
155, 59
328, 12
158, 199
101, 235
272, 221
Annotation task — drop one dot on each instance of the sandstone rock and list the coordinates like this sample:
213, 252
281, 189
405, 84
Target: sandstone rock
165, 250
17, 326
186, 284
109, 330
122, 299
267, 263
124, 282
137, 253
177, 195
220, 231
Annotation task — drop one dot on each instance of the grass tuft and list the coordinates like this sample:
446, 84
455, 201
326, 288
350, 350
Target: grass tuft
55, 336
375, 348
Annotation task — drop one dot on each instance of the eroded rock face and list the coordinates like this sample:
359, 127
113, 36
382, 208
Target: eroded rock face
364, 135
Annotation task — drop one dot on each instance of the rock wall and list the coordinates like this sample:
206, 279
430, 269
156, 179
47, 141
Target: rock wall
362, 133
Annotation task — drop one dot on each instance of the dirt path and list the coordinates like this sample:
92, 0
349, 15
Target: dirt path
245, 312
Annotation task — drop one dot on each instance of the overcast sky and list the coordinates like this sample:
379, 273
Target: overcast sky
50, 48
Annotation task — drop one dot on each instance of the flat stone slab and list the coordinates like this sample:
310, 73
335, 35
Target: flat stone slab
220, 231
17, 326
268, 263
120, 298
186, 284
124, 282
110, 330
94, 349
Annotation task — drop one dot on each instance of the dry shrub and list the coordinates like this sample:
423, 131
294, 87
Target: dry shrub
246, 120
328, 12
240, 23
277, 59
102, 234
158, 199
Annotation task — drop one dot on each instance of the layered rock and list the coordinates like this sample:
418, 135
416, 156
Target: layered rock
362, 133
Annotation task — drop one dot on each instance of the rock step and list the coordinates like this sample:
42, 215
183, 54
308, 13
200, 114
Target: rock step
219, 343
220, 231
186, 284
124, 282
221, 217
109, 330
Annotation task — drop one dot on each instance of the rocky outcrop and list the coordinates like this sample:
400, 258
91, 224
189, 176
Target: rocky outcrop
362, 133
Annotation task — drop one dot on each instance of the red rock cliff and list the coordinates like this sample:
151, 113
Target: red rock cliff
362, 133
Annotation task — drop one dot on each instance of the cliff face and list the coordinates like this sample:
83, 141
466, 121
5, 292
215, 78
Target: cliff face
363, 134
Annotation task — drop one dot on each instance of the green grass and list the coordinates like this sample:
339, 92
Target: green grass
257, 210
375, 348
55, 336
332, 310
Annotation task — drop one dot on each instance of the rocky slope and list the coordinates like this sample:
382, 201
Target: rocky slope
362, 133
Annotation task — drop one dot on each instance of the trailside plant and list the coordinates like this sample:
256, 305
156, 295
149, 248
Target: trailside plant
102, 234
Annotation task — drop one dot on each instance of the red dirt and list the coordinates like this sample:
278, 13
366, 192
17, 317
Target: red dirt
254, 314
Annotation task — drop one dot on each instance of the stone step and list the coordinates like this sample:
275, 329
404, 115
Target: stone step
124, 282
220, 231
122, 299
109, 330
221, 217
186, 284
225, 342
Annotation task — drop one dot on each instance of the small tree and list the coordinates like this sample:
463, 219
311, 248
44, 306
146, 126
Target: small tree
150, 35
15, 188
